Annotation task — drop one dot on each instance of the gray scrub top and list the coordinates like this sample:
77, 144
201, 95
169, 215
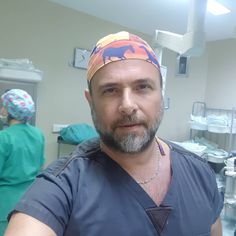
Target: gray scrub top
89, 194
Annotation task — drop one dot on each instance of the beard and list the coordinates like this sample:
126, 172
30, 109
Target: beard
130, 143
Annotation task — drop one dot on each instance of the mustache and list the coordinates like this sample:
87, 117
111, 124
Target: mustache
128, 120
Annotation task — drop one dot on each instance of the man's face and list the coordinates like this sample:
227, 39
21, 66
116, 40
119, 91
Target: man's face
126, 104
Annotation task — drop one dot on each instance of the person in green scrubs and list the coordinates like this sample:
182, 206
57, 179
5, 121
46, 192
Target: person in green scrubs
21, 150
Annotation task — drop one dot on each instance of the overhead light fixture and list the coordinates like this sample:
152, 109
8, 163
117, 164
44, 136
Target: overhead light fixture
216, 8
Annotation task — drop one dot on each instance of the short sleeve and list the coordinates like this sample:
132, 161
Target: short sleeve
49, 199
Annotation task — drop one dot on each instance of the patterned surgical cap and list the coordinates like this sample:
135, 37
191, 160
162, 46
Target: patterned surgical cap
18, 104
120, 46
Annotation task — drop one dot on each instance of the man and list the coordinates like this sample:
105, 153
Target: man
21, 150
128, 182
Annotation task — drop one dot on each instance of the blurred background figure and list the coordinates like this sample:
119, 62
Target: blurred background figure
21, 150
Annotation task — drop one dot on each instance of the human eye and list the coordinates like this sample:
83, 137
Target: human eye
109, 91
142, 87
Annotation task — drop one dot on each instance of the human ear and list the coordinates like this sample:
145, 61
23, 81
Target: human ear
88, 97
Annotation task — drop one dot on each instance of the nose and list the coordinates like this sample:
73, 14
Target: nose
128, 105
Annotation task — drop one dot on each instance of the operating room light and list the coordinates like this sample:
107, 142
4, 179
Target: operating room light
216, 8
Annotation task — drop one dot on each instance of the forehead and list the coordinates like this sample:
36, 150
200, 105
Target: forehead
125, 71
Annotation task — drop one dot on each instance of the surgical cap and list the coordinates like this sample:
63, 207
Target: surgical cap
18, 104
120, 46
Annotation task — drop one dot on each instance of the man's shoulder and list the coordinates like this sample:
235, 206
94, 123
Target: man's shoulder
186, 153
191, 162
83, 154
187, 158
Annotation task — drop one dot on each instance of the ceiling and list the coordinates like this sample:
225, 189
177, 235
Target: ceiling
148, 15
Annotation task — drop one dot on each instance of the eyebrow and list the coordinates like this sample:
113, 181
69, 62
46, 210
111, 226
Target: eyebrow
142, 80
145, 81
107, 85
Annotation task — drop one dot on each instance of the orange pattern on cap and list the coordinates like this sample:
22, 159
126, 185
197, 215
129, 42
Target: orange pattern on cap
119, 46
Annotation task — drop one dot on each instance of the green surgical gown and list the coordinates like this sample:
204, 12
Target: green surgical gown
21, 159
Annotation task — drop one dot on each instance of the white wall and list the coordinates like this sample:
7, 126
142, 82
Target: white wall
221, 78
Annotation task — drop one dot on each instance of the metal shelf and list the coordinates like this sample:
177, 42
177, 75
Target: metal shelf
224, 139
